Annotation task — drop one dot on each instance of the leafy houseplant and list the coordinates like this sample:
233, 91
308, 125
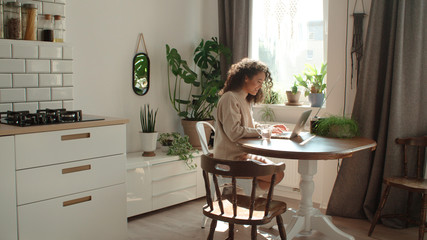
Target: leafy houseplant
314, 83
267, 114
207, 58
166, 139
181, 146
334, 126
147, 118
293, 95
203, 95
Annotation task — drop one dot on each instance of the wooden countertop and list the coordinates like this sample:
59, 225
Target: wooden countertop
6, 130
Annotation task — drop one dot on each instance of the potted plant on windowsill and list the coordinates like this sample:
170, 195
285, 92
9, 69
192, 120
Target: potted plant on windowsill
293, 96
202, 96
148, 133
314, 83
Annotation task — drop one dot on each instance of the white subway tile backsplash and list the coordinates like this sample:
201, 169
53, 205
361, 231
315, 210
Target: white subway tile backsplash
5, 50
67, 52
61, 1
4, 107
25, 80
24, 51
38, 94
26, 106
37, 66
5, 80
62, 93
62, 66
50, 52
50, 80
12, 65
53, 8
67, 80
68, 105
52, 105
9, 95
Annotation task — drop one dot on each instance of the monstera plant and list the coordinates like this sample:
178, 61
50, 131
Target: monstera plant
197, 100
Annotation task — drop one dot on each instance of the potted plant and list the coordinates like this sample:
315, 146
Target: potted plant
166, 139
335, 126
148, 134
201, 99
314, 84
181, 146
293, 95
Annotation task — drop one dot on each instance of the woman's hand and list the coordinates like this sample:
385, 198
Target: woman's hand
280, 128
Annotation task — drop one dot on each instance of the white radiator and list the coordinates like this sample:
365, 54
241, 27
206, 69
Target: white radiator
292, 177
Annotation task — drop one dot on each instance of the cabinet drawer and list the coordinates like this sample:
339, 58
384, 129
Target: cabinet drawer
98, 214
39, 149
174, 183
173, 198
42, 183
164, 170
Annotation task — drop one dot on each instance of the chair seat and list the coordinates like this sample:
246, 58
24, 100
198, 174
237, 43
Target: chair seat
414, 184
243, 202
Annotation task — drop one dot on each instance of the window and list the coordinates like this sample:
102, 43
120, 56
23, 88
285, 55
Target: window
286, 35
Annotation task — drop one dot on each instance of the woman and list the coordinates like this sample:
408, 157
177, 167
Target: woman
234, 113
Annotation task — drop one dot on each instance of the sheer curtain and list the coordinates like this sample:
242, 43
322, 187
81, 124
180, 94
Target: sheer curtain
391, 102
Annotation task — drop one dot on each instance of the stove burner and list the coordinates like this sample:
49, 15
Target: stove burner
42, 117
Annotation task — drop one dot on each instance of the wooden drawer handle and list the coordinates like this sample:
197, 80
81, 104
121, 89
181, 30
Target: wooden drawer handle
76, 201
75, 136
76, 169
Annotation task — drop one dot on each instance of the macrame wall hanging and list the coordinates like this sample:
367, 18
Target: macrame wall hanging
357, 46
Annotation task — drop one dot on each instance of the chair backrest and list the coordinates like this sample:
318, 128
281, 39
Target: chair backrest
236, 169
420, 143
200, 127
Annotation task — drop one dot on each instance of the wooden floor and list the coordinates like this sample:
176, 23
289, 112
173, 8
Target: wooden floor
183, 222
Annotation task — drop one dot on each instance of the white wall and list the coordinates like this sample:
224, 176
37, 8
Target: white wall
104, 35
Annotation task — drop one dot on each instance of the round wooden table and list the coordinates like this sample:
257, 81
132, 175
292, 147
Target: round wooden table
307, 149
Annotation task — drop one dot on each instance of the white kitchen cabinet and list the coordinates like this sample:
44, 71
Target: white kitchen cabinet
8, 221
70, 184
157, 182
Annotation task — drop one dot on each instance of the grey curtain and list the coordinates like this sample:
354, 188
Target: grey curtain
233, 16
391, 102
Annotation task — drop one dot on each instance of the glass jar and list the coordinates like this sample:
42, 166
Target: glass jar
29, 21
1, 20
58, 29
47, 29
12, 20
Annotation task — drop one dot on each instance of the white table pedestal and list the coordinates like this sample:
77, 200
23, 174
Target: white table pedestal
307, 218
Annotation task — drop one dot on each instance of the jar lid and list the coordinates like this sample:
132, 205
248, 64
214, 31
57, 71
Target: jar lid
13, 4
29, 5
47, 16
57, 17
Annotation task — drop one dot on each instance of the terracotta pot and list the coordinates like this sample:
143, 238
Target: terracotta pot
148, 143
190, 130
293, 98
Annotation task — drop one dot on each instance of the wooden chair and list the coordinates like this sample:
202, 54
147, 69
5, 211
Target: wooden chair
235, 208
416, 184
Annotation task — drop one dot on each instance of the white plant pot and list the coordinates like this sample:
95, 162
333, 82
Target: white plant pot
148, 143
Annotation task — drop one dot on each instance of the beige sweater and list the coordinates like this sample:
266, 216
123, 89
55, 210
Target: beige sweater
234, 121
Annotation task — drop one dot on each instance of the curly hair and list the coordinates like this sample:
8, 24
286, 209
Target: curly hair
247, 68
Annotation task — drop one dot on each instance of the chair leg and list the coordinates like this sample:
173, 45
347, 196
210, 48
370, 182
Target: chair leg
253, 232
212, 230
204, 221
408, 205
230, 231
422, 217
282, 230
380, 208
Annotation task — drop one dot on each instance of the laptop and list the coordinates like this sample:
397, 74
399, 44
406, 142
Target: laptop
297, 129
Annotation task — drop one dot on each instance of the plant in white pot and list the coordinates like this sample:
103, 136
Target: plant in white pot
198, 103
148, 134
314, 84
